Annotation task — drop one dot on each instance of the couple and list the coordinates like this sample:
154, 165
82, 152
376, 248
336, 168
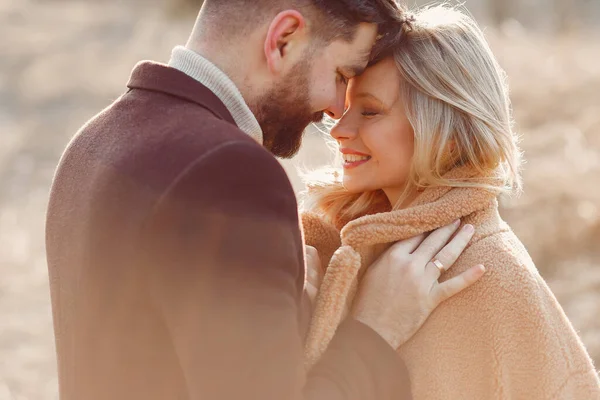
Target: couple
176, 256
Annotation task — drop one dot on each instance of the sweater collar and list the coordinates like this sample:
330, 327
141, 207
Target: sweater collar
208, 74
434, 208
152, 76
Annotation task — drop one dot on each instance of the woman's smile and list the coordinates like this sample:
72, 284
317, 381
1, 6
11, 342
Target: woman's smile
375, 135
353, 158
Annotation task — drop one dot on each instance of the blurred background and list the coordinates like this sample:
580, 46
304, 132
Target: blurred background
62, 61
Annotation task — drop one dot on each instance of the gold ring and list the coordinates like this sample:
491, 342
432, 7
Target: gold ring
439, 265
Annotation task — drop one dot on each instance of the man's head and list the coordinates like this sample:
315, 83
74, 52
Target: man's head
291, 59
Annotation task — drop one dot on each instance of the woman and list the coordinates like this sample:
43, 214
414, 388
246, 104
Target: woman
427, 138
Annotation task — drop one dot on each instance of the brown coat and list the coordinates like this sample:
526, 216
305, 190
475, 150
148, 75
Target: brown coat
176, 261
506, 337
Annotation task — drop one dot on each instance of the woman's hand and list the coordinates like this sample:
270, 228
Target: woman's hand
401, 289
314, 274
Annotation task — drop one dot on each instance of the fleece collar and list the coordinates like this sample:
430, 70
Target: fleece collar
432, 209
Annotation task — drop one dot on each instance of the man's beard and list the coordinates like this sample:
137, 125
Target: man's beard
284, 112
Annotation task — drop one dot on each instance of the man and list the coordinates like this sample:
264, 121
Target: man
175, 254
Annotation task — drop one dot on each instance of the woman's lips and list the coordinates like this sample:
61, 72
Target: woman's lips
354, 161
353, 158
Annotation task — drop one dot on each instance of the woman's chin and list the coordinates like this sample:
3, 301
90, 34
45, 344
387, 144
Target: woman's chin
355, 185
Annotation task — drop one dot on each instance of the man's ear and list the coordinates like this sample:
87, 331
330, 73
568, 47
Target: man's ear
283, 37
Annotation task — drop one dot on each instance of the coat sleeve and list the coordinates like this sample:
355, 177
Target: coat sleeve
320, 234
227, 277
506, 337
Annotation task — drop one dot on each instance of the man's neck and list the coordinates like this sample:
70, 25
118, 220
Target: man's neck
221, 84
221, 60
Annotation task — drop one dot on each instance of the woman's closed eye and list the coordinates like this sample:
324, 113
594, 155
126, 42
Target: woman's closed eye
369, 113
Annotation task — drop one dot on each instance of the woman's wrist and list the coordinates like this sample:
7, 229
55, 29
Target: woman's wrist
380, 328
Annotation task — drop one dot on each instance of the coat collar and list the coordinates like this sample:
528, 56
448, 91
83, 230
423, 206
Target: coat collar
148, 75
434, 208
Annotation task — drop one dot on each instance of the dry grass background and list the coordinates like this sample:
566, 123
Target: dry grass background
62, 61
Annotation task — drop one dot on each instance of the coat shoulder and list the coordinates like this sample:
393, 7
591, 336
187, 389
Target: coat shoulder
505, 334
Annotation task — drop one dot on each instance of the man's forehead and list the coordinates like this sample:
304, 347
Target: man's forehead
356, 63
352, 57
359, 55
363, 56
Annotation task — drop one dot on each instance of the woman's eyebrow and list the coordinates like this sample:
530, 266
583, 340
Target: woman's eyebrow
367, 95
370, 96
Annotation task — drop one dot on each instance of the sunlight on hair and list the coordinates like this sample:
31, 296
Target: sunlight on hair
433, 16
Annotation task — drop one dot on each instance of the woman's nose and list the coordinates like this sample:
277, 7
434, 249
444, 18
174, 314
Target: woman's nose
343, 130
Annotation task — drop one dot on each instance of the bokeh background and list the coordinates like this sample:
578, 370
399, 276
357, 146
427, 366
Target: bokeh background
62, 61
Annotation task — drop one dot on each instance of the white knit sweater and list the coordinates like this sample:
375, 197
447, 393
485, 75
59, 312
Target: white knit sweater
208, 74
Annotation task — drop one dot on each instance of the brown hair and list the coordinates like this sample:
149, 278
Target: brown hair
330, 19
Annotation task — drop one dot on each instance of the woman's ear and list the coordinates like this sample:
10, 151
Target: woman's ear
283, 37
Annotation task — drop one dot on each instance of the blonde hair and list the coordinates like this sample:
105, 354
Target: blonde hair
456, 100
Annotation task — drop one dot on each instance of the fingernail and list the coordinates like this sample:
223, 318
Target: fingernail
456, 223
481, 268
469, 228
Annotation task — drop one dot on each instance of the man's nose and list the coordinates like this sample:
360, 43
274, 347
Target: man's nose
336, 109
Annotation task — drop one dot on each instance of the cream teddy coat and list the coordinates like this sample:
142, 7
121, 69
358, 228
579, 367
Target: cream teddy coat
506, 337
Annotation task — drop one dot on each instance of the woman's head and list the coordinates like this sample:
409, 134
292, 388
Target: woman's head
436, 100
375, 136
